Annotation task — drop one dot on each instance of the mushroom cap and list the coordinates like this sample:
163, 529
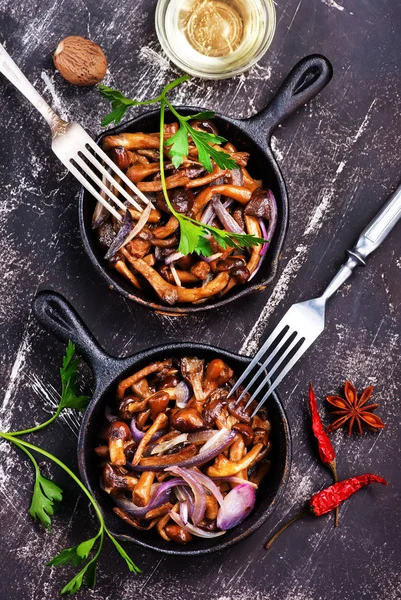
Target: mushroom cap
80, 61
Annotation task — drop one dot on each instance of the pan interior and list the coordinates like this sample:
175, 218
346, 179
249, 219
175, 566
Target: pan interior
268, 494
262, 166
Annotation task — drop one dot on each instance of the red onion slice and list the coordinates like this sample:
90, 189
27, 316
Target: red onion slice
228, 222
137, 434
126, 227
173, 257
201, 479
236, 506
161, 496
237, 480
197, 531
164, 446
197, 490
143, 219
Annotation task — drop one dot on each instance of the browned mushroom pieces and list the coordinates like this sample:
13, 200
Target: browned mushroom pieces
121, 157
166, 230
214, 408
167, 292
192, 370
229, 264
132, 141
181, 198
148, 370
151, 153
167, 460
117, 433
217, 374
143, 526
141, 388
142, 419
177, 180
204, 125
201, 269
261, 437
142, 490
247, 433
158, 403
241, 274
114, 481
138, 247
188, 420
177, 534
239, 411
170, 242
259, 204
170, 381
241, 158
130, 405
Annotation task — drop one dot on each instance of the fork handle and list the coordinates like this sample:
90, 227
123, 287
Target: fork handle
370, 239
17, 78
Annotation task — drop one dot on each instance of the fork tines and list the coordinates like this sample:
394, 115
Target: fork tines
282, 349
93, 156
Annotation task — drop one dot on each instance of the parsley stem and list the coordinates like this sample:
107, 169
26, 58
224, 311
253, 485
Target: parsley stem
25, 445
162, 175
37, 427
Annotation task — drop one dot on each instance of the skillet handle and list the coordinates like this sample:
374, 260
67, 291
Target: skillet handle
303, 83
58, 316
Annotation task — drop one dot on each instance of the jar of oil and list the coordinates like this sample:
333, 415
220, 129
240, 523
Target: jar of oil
215, 39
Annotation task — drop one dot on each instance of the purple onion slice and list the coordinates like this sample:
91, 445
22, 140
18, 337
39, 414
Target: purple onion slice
236, 506
161, 496
197, 531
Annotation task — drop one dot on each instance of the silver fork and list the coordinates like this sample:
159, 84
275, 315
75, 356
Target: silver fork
71, 144
304, 321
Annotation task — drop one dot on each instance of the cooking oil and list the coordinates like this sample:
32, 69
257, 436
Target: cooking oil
215, 37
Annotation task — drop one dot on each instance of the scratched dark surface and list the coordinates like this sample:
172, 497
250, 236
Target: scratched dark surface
341, 157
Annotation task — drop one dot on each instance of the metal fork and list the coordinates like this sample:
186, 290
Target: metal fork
71, 144
304, 321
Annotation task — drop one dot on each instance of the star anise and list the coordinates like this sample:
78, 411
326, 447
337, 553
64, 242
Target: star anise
354, 411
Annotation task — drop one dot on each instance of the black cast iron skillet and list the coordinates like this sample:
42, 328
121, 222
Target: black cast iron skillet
57, 315
252, 135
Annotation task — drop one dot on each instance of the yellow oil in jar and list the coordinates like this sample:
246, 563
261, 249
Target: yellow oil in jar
215, 38
214, 27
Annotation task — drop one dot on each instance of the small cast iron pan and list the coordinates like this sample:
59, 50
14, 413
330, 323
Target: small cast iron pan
252, 135
57, 315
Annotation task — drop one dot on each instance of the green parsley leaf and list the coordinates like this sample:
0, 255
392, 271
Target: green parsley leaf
75, 584
45, 494
68, 555
202, 141
190, 235
179, 146
68, 374
205, 114
130, 564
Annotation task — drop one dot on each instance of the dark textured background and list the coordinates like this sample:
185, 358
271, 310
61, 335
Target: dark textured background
341, 158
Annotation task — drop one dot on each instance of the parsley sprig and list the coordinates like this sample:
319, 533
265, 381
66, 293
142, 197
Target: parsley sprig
47, 494
194, 236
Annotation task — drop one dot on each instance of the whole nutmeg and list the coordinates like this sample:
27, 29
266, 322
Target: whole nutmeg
80, 61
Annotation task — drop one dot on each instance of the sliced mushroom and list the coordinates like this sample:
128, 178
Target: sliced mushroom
160, 511
143, 488
188, 420
173, 181
130, 405
160, 422
223, 467
177, 534
192, 370
117, 433
114, 481
129, 381
240, 194
217, 374
134, 522
132, 141
253, 228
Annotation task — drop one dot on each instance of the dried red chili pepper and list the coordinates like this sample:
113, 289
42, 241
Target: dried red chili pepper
326, 450
328, 499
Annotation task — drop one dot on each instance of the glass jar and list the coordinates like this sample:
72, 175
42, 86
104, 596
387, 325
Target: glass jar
215, 39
